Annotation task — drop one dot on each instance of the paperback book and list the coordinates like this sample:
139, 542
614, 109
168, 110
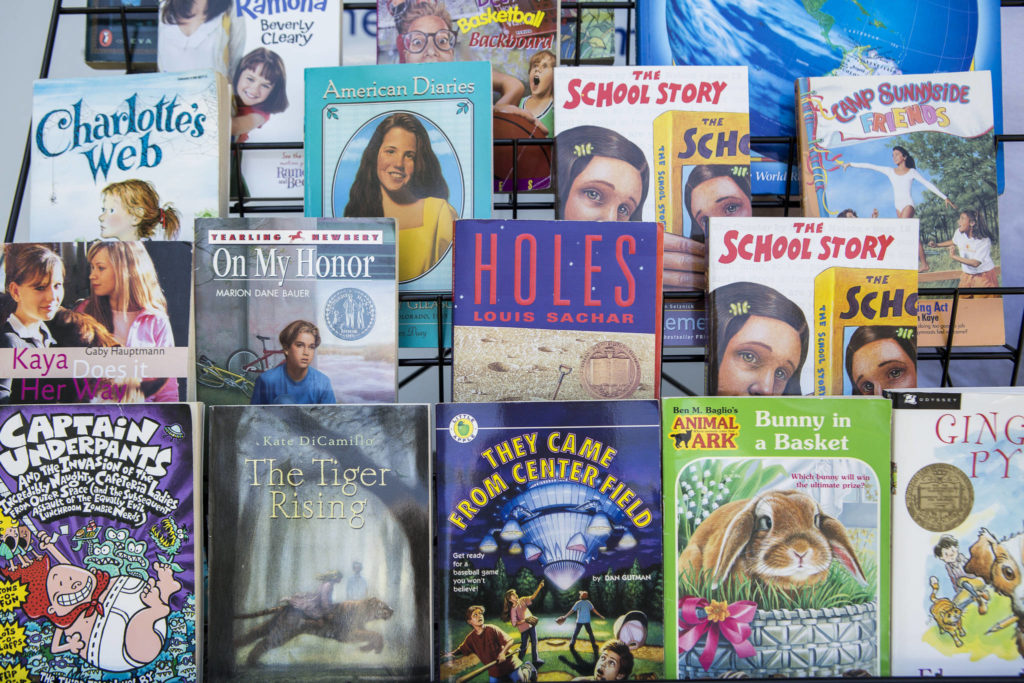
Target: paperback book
407, 142
787, 40
549, 541
320, 543
913, 146
146, 153
105, 45
106, 322
201, 35
957, 527
817, 306
518, 37
777, 537
296, 310
280, 43
101, 520
547, 310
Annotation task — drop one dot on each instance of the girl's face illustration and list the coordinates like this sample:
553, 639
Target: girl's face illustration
396, 159
252, 87
38, 301
115, 220
760, 358
882, 364
719, 196
101, 274
606, 190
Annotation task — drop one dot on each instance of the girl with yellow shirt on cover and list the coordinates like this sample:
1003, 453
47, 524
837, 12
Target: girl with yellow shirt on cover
400, 177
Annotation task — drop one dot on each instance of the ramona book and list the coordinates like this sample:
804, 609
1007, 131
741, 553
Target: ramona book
128, 157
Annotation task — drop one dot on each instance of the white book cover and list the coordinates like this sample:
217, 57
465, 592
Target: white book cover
281, 40
957, 532
128, 157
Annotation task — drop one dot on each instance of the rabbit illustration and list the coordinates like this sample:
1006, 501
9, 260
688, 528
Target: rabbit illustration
777, 537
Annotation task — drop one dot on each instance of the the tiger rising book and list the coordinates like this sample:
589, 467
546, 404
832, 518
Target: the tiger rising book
547, 310
129, 157
957, 528
912, 146
320, 543
296, 310
549, 540
101, 518
776, 537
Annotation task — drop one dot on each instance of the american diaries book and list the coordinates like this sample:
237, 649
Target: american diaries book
101, 518
783, 41
547, 310
433, 169
277, 296
281, 41
777, 557
957, 528
146, 153
320, 543
106, 321
785, 295
549, 540
519, 38
913, 146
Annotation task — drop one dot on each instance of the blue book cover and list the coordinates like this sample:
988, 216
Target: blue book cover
548, 310
548, 546
409, 142
783, 41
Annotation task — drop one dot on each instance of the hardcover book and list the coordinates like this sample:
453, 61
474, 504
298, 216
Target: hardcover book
107, 321
549, 540
547, 310
518, 37
913, 146
146, 153
296, 310
957, 526
101, 519
411, 143
280, 43
777, 550
320, 543
783, 41
811, 306
105, 36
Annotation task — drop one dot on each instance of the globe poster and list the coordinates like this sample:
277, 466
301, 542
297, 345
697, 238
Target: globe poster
785, 40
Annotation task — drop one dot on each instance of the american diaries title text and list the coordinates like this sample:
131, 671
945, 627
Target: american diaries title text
126, 137
557, 275
68, 463
567, 456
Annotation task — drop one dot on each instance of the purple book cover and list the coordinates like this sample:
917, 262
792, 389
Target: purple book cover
98, 515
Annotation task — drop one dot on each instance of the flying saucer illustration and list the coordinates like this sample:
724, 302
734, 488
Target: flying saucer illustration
174, 431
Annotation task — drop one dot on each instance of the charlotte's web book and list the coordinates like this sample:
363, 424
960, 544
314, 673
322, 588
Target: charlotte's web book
518, 37
408, 142
811, 306
547, 310
106, 321
957, 528
668, 145
281, 40
104, 37
101, 523
296, 310
549, 540
913, 146
320, 543
783, 41
128, 157
776, 537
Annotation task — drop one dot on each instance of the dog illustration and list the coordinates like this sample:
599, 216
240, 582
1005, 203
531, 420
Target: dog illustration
998, 562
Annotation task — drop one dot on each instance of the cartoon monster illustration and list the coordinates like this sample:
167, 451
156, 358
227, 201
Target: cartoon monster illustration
103, 554
133, 555
946, 614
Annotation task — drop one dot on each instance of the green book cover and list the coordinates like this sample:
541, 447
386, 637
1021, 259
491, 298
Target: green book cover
777, 533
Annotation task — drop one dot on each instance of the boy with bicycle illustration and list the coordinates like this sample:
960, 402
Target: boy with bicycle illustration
294, 380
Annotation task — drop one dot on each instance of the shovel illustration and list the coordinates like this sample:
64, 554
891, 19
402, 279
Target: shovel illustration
563, 370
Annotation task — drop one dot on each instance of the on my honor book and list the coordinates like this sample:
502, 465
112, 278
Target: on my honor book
128, 157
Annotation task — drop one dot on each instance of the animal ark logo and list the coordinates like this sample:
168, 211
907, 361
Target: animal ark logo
704, 432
